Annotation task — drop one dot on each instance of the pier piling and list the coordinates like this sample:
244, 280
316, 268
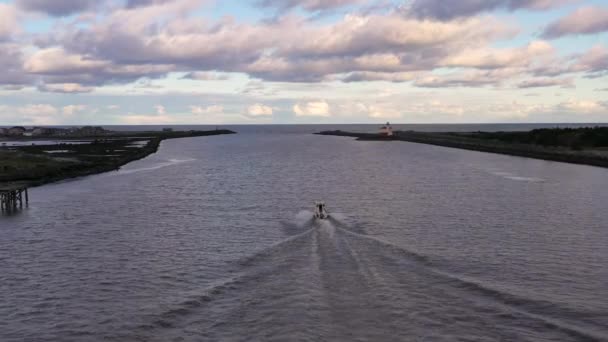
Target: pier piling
12, 198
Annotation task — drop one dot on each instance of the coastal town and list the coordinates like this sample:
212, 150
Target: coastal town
85, 131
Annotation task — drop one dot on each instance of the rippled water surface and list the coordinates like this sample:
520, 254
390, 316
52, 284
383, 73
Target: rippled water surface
211, 239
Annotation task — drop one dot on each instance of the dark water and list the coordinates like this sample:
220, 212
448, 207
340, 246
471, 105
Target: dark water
211, 240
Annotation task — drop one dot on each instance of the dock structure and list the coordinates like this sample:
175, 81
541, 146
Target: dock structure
13, 197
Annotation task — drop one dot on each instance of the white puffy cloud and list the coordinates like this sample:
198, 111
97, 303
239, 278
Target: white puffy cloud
73, 109
38, 109
583, 106
56, 65
379, 111
30, 114
162, 38
57, 61
214, 109
259, 110
160, 110
491, 58
312, 108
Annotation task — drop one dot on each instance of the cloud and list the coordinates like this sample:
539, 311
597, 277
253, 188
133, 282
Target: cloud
546, 82
13, 87
73, 109
65, 88
472, 78
151, 39
377, 111
143, 3
200, 110
206, 76
38, 109
383, 38
56, 65
366, 76
136, 119
487, 58
447, 10
57, 61
8, 21
593, 61
396, 108
11, 59
259, 110
160, 110
30, 114
373, 43
309, 5
312, 108
162, 38
585, 20
56, 7
582, 106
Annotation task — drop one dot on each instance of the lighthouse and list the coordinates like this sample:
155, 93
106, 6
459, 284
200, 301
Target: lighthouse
387, 130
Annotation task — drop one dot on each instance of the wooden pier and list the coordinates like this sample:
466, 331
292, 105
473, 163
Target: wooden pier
13, 197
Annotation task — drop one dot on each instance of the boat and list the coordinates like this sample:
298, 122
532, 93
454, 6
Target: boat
321, 211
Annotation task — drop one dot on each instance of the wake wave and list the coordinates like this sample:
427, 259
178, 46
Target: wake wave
531, 308
330, 281
511, 176
170, 162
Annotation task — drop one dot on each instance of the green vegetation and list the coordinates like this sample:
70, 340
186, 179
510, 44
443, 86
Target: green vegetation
578, 146
47, 163
17, 166
573, 138
41, 164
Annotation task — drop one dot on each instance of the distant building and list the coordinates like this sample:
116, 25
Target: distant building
90, 131
167, 129
16, 131
387, 130
43, 131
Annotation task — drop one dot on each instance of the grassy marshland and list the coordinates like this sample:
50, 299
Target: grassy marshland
41, 164
579, 146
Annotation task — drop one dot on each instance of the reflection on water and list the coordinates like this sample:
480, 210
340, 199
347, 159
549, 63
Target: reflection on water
212, 239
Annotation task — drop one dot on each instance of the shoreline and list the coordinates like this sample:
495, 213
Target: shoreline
488, 146
46, 169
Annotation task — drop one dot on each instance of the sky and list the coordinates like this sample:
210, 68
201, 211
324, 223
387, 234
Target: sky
123, 62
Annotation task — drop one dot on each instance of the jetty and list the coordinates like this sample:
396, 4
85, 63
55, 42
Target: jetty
587, 145
13, 197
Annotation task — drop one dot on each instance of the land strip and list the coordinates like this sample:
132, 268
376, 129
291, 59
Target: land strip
578, 146
31, 164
